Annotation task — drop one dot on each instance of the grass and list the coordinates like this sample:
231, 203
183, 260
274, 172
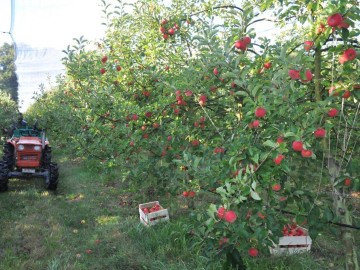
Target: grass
89, 223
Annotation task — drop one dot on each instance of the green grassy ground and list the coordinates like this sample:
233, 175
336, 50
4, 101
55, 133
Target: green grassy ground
89, 223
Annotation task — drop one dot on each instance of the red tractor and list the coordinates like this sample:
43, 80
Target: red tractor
27, 154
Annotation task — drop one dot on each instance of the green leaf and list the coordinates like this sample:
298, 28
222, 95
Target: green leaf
289, 134
300, 219
196, 162
253, 185
345, 33
255, 195
270, 143
212, 210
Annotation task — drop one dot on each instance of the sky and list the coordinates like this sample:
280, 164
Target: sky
41, 30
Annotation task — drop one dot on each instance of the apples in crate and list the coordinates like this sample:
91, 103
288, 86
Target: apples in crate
295, 240
152, 213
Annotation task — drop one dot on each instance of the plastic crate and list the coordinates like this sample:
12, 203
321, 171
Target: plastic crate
153, 218
292, 244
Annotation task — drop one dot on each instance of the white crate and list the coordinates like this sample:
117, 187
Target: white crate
154, 217
292, 244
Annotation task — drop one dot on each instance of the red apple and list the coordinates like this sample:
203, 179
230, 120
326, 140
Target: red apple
306, 153
165, 36
118, 68
276, 187
333, 112
171, 31
221, 212
215, 71
135, 117
195, 142
164, 21
241, 45
297, 146
230, 216
254, 124
267, 65
280, 140
346, 94
294, 74
348, 55
320, 133
192, 194
247, 40
102, 70
308, 76
185, 194
308, 45
156, 125
223, 240
146, 93
335, 20
162, 30
218, 150
169, 138
260, 112
188, 93
347, 182
253, 252
148, 114
344, 24
104, 59
202, 100
278, 159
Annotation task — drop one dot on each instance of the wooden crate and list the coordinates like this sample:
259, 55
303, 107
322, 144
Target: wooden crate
153, 218
292, 244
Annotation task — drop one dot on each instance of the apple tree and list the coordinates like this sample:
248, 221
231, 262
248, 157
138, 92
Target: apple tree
187, 96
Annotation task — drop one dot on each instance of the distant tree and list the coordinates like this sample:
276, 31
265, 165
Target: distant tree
8, 78
8, 112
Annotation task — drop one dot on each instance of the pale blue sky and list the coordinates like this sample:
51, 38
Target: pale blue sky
52, 23
42, 29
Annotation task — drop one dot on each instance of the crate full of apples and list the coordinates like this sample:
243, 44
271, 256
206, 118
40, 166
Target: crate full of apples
152, 213
295, 239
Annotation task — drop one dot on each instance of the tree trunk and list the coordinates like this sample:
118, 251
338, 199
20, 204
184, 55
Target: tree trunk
342, 210
339, 198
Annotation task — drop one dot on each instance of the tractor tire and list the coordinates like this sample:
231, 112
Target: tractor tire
46, 157
9, 155
4, 179
53, 176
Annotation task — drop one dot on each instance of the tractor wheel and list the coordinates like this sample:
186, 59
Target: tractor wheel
9, 155
53, 176
4, 179
46, 157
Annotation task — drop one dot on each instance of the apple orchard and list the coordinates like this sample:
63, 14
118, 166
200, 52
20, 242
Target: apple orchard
187, 98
